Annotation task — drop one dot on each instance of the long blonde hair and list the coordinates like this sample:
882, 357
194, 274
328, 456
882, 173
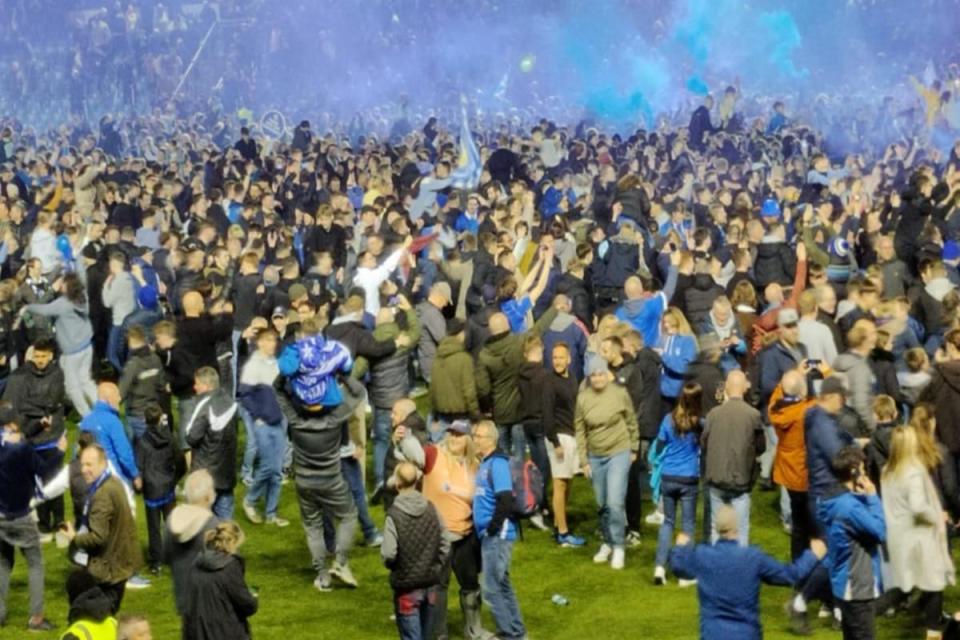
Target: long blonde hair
469, 458
905, 452
226, 537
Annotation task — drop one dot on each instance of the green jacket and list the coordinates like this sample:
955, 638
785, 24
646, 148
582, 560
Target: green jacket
111, 541
453, 388
386, 332
604, 422
498, 366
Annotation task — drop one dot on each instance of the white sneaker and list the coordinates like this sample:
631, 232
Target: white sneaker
659, 576
683, 584
604, 554
537, 521
251, 513
618, 557
655, 518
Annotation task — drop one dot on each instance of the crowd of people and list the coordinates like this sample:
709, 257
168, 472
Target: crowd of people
678, 315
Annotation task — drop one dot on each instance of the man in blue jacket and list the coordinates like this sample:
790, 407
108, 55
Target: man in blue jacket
731, 608
644, 310
20, 465
853, 517
105, 425
492, 520
823, 439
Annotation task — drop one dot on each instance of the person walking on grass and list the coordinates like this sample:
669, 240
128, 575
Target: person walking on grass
211, 432
730, 608
607, 441
415, 548
492, 508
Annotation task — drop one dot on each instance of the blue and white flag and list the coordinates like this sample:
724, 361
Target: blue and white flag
467, 174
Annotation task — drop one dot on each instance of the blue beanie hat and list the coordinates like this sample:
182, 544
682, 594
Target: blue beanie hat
951, 251
770, 208
840, 247
147, 297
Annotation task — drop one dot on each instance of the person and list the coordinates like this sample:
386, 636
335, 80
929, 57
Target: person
415, 549
104, 423
453, 387
644, 311
916, 524
369, 275
678, 349
732, 441
853, 519
90, 616
219, 602
106, 542
531, 385
162, 465
185, 530
211, 433
119, 295
133, 627
20, 464
449, 482
608, 440
559, 400
497, 368
569, 330
142, 381
731, 608
854, 364
788, 405
36, 391
677, 452
74, 334
430, 314
258, 398
497, 530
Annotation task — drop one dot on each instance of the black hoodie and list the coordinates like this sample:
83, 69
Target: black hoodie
218, 600
944, 393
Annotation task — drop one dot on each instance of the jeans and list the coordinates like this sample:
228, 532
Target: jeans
512, 440
136, 427
21, 533
740, 503
382, 426
223, 505
609, 475
858, 619
271, 444
115, 346
497, 589
250, 446
766, 458
77, 379
350, 467
673, 493
328, 494
415, 611
235, 337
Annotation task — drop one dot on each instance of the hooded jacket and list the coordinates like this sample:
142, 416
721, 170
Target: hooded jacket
161, 464
453, 388
255, 391
35, 394
775, 262
182, 541
786, 414
861, 381
645, 314
569, 329
311, 364
927, 308
823, 438
578, 291
498, 367
944, 393
218, 600
212, 434
855, 530
531, 383
698, 298
142, 381
390, 376
415, 545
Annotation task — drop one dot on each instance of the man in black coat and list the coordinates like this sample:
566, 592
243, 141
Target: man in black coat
246, 145
211, 433
700, 124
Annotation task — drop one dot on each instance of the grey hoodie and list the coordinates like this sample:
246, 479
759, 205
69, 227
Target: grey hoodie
71, 323
860, 382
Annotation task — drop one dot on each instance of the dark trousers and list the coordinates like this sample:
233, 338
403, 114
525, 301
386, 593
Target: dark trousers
804, 527
538, 454
931, 603
50, 515
464, 562
115, 593
637, 479
858, 619
156, 516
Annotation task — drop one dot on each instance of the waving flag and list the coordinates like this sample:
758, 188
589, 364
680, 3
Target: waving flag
467, 174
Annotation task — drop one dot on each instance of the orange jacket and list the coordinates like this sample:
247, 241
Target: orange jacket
790, 463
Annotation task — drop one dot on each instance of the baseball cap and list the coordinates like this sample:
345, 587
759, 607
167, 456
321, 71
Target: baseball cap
279, 312
787, 317
833, 384
459, 426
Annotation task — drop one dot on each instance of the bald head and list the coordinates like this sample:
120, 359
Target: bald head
562, 303
773, 293
794, 384
109, 392
405, 476
633, 288
736, 384
192, 304
499, 324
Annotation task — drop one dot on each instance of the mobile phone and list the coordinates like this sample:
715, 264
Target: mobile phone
813, 363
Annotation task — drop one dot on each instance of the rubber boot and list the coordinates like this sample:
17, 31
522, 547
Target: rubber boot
472, 623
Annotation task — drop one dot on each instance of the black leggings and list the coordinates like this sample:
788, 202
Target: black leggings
931, 602
464, 561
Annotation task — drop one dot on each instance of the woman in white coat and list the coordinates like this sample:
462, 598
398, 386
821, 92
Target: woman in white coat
916, 523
